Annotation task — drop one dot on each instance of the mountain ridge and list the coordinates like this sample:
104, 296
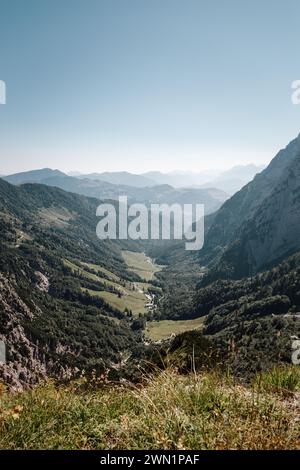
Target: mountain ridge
239, 231
211, 198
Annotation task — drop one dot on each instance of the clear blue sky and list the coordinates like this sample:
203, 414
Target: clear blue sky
98, 85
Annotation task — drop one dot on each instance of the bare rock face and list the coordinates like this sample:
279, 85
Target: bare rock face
26, 363
274, 231
42, 281
260, 225
22, 367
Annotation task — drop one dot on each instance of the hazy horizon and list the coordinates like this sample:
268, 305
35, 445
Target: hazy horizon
73, 172
146, 86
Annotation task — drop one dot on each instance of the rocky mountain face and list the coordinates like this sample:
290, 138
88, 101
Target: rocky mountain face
26, 363
22, 366
260, 224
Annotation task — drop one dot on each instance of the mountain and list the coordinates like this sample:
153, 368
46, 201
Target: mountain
242, 172
77, 174
234, 179
259, 225
179, 179
53, 320
210, 197
57, 279
228, 181
122, 178
34, 176
153, 178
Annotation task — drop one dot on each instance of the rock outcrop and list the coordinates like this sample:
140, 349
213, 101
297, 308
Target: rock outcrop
260, 225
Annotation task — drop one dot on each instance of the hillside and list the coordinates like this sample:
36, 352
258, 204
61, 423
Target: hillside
259, 225
53, 321
253, 320
206, 411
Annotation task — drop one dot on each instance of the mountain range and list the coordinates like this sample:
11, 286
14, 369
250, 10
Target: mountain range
228, 181
247, 288
234, 179
211, 198
122, 178
61, 288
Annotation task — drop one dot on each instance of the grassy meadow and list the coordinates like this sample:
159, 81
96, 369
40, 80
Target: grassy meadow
160, 330
140, 264
128, 295
166, 411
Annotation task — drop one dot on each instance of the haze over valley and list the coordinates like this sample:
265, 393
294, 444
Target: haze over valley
149, 230
49, 246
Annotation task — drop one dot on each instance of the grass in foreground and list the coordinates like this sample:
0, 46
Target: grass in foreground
169, 411
281, 380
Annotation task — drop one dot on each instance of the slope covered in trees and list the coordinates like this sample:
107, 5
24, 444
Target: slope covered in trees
49, 322
253, 320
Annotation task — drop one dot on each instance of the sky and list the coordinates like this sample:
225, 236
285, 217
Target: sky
137, 85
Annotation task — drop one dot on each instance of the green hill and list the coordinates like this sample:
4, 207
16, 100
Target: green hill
52, 323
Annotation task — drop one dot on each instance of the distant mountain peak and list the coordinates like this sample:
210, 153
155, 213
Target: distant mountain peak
260, 224
33, 176
121, 178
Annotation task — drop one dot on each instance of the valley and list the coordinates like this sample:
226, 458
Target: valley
141, 265
88, 316
164, 329
149, 231
131, 297
88, 303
